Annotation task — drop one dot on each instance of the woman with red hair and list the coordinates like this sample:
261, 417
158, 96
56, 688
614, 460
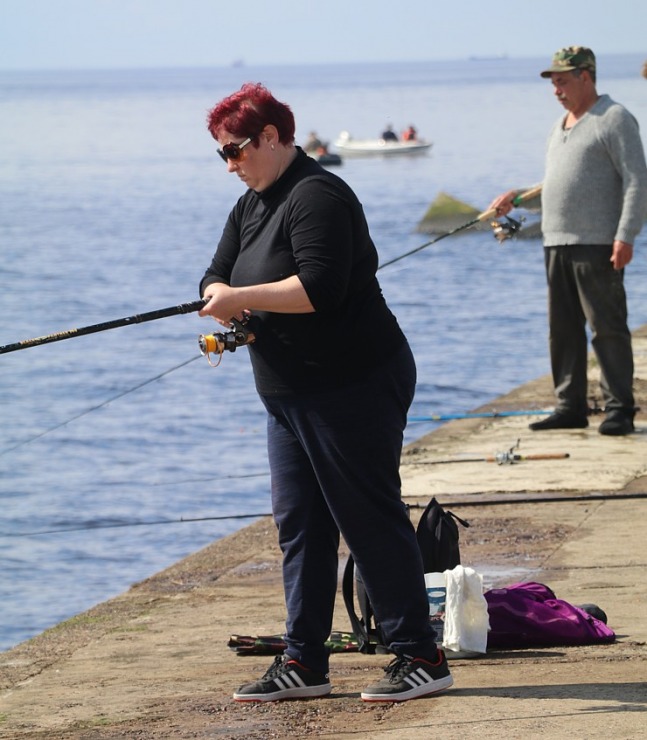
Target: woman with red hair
336, 375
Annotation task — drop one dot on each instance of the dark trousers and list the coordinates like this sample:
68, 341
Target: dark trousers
334, 462
583, 287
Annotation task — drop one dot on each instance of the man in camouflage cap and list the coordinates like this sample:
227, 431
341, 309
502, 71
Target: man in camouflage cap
571, 58
594, 204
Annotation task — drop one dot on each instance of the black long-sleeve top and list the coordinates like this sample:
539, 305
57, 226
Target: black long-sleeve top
311, 224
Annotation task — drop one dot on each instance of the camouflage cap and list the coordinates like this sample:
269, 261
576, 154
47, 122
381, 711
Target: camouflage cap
570, 58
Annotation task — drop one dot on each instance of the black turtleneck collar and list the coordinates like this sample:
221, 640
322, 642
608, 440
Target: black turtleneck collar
295, 168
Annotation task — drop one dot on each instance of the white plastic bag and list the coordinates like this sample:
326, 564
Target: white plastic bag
466, 612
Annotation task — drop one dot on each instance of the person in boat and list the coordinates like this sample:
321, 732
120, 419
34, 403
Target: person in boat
313, 143
389, 134
297, 261
410, 134
594, 204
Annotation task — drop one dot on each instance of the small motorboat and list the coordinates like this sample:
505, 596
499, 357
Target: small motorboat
326, 158
317, 149
351, 147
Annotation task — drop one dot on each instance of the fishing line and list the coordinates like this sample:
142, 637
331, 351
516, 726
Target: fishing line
117, 525
95, 408
451, 505
188, 480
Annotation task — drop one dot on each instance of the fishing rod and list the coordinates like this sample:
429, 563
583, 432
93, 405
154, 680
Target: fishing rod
539, 499
229, 341
126, 321
593, 409
502, 230
218, 342
479, 415
501, 458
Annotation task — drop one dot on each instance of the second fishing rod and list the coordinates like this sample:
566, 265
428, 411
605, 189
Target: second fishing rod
240, 334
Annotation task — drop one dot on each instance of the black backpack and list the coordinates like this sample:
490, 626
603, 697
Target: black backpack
437, 535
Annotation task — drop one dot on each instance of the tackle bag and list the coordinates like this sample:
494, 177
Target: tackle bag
437, 536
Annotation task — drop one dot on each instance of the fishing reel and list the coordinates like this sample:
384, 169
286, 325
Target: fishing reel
219, 342
510, 456
506, 229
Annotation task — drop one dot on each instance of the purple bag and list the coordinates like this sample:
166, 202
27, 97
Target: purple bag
529, 615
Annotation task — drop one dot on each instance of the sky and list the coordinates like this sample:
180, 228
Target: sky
108, 34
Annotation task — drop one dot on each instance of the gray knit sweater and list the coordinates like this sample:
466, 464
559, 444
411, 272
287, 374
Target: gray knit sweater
595, 185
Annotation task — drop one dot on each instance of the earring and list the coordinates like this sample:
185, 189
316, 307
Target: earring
272, 147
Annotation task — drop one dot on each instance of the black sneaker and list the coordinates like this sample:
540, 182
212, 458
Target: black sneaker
285, 679
560, 420
409, 678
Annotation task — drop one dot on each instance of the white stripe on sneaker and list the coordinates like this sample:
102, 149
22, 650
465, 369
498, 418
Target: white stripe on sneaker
419, 677
289, 681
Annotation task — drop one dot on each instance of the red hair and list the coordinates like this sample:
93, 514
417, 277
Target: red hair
247, 112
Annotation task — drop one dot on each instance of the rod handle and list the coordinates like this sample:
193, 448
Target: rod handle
518, 200
545, 456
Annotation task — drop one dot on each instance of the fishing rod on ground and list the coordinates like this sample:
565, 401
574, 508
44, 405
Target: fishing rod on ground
501, 458
479, 415
509, 457
538, 499
594, 408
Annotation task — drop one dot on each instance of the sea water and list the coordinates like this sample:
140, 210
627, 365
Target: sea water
123, 451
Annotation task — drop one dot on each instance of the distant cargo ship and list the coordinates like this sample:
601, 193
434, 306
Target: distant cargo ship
493, 58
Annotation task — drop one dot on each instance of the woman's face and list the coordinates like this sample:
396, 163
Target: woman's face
254, 163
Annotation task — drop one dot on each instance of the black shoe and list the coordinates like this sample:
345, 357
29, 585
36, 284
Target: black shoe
285, 679
617, 423
409, 678
560, 420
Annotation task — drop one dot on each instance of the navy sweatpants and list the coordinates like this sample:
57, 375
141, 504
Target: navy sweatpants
334, 461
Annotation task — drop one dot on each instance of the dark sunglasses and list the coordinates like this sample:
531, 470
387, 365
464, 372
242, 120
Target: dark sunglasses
232, 151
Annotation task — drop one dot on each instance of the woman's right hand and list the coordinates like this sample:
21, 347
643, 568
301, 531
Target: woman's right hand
222, 305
